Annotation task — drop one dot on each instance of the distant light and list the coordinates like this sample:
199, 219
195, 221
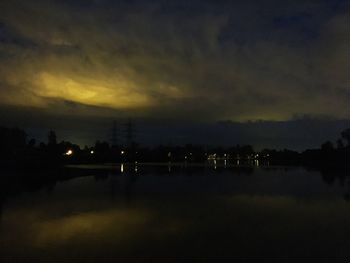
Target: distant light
69, 152
212, 156
92, 152
122, 152
122, 168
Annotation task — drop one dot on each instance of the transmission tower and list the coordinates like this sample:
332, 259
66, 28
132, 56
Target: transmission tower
130, 133
114, 138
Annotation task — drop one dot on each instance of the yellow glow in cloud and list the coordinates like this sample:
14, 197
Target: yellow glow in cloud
116, 93
171, 91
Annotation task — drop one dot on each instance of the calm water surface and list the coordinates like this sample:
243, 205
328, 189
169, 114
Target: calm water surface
197, 214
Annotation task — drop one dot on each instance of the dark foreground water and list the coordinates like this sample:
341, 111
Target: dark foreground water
182, 215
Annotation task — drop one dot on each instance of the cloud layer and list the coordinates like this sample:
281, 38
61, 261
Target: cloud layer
199, 60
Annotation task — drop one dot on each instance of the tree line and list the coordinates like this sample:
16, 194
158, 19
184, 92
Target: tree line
16, 148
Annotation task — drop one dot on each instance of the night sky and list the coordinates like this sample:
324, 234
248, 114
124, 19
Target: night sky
270, 73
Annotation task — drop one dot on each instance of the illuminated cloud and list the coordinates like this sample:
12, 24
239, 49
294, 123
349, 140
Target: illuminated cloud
190, 59
94, 92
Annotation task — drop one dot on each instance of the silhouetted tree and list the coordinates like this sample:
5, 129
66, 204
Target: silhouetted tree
52, 139
12, 142
327, 146
32, 143
346, 136
247, 149
340, 144
52, 149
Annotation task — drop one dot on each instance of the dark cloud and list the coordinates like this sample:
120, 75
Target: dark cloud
184, 60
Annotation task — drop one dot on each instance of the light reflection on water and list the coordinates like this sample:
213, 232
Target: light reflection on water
192, 214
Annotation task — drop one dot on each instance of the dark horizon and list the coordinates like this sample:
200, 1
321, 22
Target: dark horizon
297, 134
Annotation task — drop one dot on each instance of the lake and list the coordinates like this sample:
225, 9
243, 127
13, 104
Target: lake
163, 213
